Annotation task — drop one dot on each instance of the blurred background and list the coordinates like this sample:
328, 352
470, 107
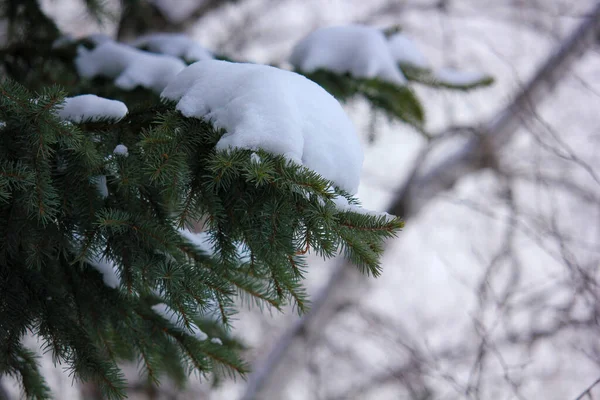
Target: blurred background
491, 291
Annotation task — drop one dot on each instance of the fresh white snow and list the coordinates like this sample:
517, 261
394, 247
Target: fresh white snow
201, 240
255, 158
108, 270
405, 51
359, 50
121, 150
459, 78
89, 107
173, 44
262, 107
129, 66
175, 318
216, 340
101, 185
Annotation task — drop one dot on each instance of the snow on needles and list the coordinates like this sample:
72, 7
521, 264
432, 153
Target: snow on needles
89, 107
108, 270
121, 150
275, 110
359, 50
173, 44
131, 67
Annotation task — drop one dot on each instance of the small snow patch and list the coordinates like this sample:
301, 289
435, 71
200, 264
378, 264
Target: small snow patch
89, 107
174, 318
255, 158
173, 44
216, 340
108, 270
262, 107
101, 185
459, 78
131, 67
201, 240
405, 52
2, 124
121, 150
359, 50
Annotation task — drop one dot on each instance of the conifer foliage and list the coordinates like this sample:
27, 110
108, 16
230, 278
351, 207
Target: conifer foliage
120, 192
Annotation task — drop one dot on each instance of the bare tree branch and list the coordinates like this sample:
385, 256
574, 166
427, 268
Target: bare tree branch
420, 187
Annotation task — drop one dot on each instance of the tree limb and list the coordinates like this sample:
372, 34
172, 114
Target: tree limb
421, 187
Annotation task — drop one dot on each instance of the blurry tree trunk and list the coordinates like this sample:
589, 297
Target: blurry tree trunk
421, 186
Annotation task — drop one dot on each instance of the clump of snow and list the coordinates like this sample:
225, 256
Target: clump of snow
342, 204
459, 78
216, 340
101, 185
173, 44
405, 52
175, 318
201, 240
130, 66
262, 107
359, 50
89, 107
255, 158
2, 124
108, 270
121, 150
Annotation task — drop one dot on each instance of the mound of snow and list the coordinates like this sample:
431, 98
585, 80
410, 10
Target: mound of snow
359, 50
131, 67
91, 107
121, 150
405, 52
459, 78
173, 44
262, 107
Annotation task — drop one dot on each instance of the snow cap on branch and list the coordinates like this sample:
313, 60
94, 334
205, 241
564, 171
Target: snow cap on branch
91, 107
262, 107
131, 67
359, 50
